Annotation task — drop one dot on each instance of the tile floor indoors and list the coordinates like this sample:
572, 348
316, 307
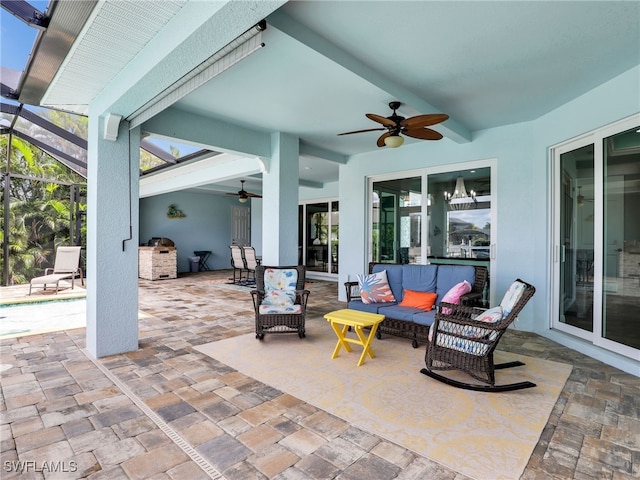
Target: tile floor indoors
96, 419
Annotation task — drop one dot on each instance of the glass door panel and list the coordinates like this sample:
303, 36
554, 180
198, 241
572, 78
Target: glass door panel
396, 222
317, 252
335, 227
577, 238
621, 282
459, 214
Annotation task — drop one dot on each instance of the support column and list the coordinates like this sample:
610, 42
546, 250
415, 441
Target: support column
112, 238
280, 202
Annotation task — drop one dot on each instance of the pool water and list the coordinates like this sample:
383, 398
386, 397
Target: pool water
40, 317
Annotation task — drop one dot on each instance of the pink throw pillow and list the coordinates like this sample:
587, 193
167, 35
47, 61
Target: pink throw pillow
454, 294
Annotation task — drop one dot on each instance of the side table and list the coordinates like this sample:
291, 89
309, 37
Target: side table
358, 320
204, 255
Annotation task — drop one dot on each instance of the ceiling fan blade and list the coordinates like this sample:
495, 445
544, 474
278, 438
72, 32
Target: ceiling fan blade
362, 131
380, 142
422, 133
254, 195
380, 119
232, 194
424, 120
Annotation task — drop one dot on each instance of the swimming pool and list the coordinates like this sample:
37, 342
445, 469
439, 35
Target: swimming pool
31, 318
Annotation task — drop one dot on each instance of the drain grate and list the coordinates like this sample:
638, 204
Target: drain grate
170, 432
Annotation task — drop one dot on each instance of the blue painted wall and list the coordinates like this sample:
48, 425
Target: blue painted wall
522, 194
207, 225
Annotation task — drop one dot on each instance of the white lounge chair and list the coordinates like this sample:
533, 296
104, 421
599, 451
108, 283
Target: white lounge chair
66, 266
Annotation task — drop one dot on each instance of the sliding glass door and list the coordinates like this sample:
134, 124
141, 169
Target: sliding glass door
436, 215
597, 238
397, 221
320, 224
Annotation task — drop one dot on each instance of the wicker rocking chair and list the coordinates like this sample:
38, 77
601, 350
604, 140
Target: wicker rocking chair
280, 300
464, 338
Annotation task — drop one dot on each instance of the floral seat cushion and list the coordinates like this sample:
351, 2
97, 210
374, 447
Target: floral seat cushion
279, 309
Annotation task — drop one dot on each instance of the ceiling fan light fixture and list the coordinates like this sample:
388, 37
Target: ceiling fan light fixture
243, 199
393, 141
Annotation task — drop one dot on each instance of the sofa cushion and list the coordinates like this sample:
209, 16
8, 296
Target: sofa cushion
374, 288
365, 307
424, 318
419, 278
394, 277
399, 313
421, 300
450, 275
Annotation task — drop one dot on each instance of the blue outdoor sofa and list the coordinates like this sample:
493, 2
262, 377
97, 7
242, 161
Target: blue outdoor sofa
411, 322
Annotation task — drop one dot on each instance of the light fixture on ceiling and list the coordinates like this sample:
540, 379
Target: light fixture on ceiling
243, 195
460, 199
393, 141
580, 197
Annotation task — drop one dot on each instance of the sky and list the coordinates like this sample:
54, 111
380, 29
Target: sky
17, 38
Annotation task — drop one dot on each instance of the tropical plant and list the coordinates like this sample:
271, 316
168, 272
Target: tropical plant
39, 216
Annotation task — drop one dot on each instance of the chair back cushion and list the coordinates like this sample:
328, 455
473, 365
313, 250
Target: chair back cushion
512, 297
280, 286
374, 288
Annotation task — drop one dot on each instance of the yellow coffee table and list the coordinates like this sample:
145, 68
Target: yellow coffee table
341, 320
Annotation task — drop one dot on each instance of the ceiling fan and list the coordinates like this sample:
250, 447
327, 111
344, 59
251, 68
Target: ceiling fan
582, 199
243, 195
395, 125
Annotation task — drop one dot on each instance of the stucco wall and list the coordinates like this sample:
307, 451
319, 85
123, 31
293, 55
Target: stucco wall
522, 193
207, 225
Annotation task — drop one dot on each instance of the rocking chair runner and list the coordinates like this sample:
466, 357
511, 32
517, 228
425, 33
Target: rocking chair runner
280, 300
464, 338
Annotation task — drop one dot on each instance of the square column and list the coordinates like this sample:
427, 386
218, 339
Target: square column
112, 239
280, 202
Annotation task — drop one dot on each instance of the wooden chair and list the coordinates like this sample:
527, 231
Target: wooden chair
280, 300
464, 338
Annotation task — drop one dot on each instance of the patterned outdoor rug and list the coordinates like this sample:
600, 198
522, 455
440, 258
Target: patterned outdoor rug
481, 435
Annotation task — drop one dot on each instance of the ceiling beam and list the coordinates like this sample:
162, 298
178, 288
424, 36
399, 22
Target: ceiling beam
450, 129
218, 168
310, 184
208, 133
308, 150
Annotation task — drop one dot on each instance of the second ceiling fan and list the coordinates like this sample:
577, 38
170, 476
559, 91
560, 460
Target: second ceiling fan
243, 195
396, 125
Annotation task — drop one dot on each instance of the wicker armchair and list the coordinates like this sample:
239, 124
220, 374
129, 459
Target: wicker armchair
464, 338
280, 300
